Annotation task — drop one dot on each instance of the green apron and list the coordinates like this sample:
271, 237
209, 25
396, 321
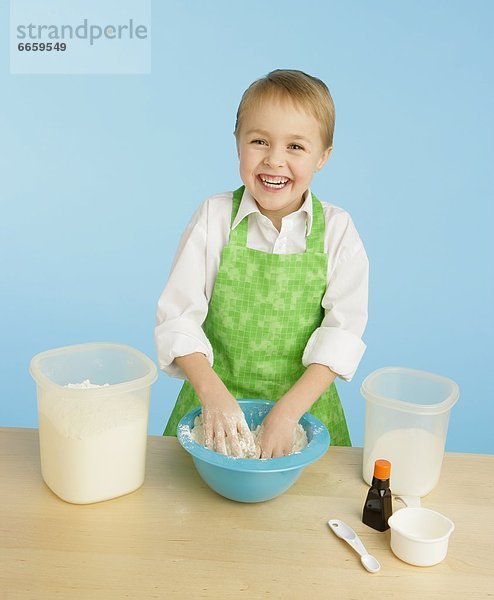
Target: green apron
262, 312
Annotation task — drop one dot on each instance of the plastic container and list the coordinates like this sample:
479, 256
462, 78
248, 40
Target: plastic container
420, 536
251, 479
406, 423
93, 439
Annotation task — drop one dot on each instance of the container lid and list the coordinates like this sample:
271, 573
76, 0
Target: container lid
382, 469
48, 368
410, 390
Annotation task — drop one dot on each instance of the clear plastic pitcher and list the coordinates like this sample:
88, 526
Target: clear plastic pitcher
406, 422
93, 405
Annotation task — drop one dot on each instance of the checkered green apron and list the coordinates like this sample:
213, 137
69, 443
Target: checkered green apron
262, 312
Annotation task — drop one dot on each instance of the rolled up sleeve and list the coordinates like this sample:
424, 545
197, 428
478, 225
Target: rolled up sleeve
179, 337
183, 306
337, 343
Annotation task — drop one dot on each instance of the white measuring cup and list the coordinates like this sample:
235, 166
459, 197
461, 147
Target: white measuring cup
420, 536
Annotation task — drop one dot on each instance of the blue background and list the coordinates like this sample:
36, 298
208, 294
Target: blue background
100, 174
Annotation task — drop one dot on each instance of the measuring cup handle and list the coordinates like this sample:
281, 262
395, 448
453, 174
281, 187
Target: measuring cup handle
410, 501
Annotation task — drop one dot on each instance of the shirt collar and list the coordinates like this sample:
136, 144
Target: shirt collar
248, 206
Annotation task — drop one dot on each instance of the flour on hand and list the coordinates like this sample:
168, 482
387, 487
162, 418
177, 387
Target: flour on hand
300, 440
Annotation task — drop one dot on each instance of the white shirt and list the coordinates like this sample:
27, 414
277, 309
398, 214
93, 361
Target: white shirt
183, 305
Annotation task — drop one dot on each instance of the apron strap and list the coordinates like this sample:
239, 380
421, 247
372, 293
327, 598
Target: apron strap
315, 240
238, 236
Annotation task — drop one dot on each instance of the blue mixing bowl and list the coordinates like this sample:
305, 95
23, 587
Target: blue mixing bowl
251, 479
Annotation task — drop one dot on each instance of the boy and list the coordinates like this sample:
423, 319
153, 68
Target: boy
267, 296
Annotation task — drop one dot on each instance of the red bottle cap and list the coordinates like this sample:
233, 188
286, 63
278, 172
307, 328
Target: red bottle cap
382, 469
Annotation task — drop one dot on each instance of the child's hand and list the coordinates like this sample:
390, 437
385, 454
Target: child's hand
277, 433
223, 421
222, 417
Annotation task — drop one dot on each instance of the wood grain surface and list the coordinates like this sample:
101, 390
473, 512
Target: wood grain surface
175, 538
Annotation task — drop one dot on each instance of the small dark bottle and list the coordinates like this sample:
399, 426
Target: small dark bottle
378, 507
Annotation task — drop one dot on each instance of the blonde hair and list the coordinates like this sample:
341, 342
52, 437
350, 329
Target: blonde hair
304, 91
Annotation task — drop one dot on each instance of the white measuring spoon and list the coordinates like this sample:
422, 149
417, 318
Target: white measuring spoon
345, 532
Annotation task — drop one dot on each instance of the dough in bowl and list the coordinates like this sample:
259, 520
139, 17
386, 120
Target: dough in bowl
300, 439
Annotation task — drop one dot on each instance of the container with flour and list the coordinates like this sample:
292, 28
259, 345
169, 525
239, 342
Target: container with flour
93, 404
406, 423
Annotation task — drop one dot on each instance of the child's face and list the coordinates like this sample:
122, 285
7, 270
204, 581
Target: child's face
280, 147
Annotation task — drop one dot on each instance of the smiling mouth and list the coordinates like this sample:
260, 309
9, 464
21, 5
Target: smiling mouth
276, 183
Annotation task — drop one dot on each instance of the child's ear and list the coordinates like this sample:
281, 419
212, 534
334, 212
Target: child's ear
236, 145
324, 158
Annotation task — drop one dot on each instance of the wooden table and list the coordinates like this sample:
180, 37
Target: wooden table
175, 538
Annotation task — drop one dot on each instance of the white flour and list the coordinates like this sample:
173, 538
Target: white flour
93, 448
84, 385
299, 442
416, 457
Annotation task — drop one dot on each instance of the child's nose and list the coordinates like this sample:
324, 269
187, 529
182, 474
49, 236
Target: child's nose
275, 157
